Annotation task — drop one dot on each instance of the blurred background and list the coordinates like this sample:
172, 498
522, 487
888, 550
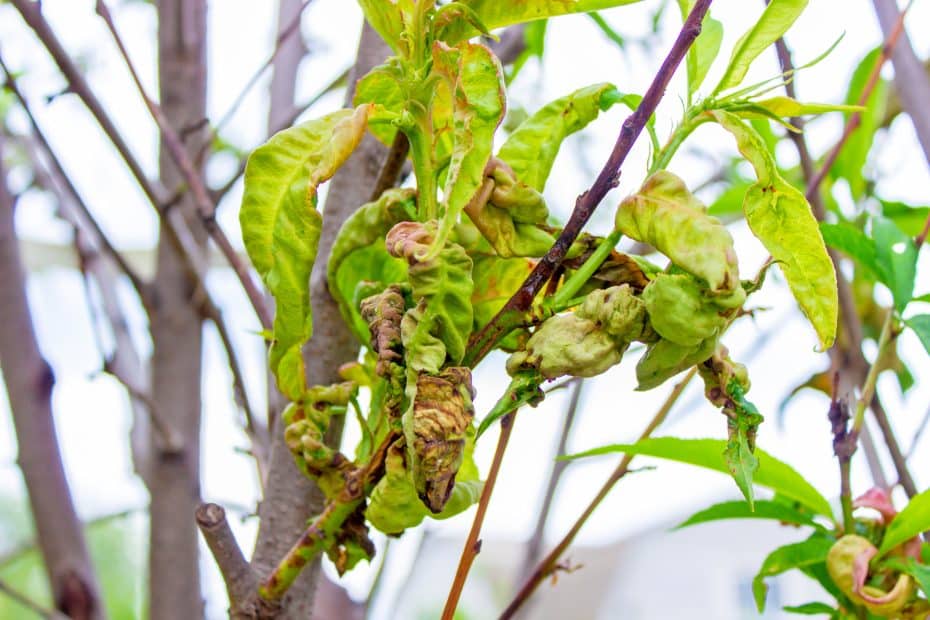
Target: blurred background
628, 558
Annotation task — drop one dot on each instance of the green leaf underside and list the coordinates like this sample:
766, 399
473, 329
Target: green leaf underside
797, 555
763, 509
910, 522
896, 256
281, 226
497, 13
921, 326
780, 217
774, 22
708, 453
532, 148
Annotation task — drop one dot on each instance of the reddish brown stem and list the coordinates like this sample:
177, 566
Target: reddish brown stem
483, 341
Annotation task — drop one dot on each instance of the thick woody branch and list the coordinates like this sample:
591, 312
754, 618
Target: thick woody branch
241, 582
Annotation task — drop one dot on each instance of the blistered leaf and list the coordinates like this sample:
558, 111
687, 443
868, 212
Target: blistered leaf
389, 18
896, 256
679, 311
477, 85
797, 555
382, 88
667, 216
704, 50
780, 217
665, 359
495, 14
763, 509
496, 280
281, 226
567, 344
532, 148
771, 25
708, 453
442, 288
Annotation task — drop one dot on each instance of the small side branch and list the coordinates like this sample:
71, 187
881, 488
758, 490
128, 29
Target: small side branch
241, 582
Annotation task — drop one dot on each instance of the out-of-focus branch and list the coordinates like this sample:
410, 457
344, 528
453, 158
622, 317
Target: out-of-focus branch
202, 202
29, 382
910, 77
28, 603
241, 582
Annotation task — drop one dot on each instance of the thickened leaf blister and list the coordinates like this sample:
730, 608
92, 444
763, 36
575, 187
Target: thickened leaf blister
442, 288
281, 226
665, 359
679, 312
359, 254
666, 215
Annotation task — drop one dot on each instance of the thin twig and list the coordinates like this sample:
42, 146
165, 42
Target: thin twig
283, 36
25, 601
393, 165
135, 279
205, 207
555, 475
483, 341
548, 564
472, 543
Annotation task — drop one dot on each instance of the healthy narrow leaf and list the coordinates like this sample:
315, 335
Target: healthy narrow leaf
495, 13
774, 22
708, 453
786, 107
811, 609
909, 218
704, 50
921, 574
921, 326
531, 149
281, 226
854, 243
797, 555
780, 217
910, 522
764, 509
897, 260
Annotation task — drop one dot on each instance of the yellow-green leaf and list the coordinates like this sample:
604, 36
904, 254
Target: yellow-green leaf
703, 51
281, 226
780, 216
774, 22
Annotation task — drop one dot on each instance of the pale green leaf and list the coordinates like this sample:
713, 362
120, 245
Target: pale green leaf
708, 453
281, 226
704, 50
382, 88
774, 22
910, 522
532, 148
780, 216
763, 509
797, 555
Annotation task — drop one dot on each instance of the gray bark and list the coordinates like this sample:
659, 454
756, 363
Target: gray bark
291, 51
290, 498
29, 382
174, 577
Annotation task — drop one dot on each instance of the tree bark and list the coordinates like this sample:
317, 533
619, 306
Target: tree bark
291, 51
29, 382
174, 576
290, 498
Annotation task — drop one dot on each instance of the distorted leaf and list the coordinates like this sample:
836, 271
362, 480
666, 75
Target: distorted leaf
780, 217
281, 226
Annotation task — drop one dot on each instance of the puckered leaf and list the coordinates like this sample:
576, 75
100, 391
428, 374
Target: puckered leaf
667, 216
774, 22
281, 226
495, 13
382, 88
531, 149
780, 217
389, 18
811, 551
442, 288
708, 453
496, 280
359, 254
477, 84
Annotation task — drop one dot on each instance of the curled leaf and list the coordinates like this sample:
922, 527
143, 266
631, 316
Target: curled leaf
665, 359
281, 226
848, 565
666, 215
679, 312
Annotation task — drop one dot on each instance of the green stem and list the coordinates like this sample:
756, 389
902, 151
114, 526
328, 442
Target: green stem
868, 388
694, 118
568, 291
421, 151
